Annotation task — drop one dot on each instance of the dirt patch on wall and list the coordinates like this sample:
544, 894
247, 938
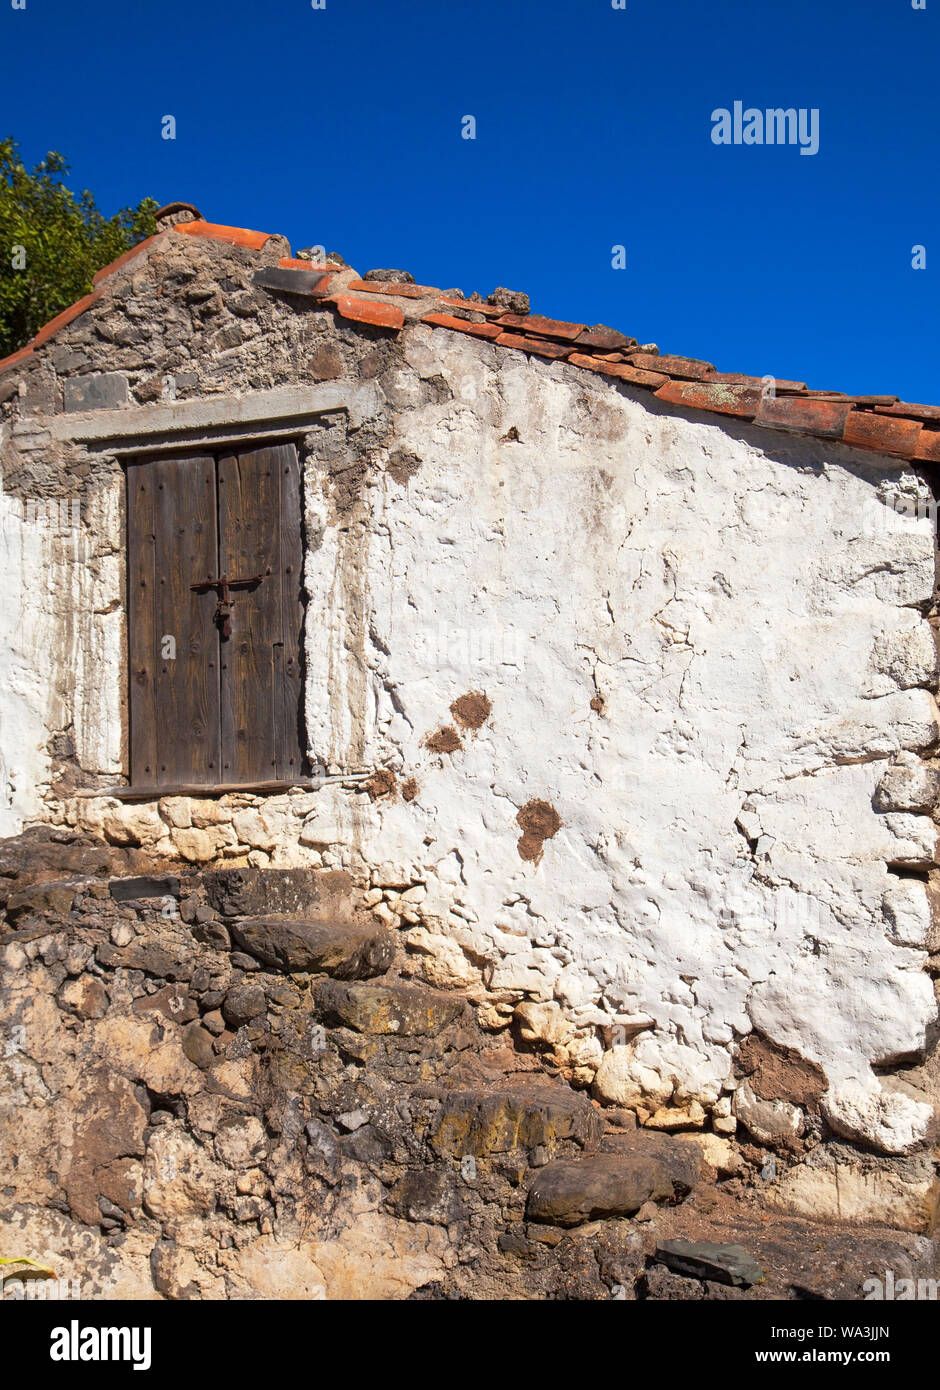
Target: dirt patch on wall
446, 740
402, 466
409, 789
472, 710
779, 1073
381, 783
539, 821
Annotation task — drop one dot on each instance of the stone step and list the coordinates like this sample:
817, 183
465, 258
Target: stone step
389, 1008
43, 854
352, 950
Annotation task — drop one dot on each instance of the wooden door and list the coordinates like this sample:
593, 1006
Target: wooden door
210, 707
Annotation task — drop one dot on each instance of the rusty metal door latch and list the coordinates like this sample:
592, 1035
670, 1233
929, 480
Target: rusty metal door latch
222, 617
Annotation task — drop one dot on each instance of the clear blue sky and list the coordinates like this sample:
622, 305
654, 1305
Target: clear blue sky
342, 127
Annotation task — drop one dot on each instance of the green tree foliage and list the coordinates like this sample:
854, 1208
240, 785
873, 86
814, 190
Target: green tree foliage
52, 242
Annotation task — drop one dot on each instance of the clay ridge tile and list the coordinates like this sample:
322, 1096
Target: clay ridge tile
688, 368
295, 263
214, 231
914, 412
928, 445
823, 418
883, 433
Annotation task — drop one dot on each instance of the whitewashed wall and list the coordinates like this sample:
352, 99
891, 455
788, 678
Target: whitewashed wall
747, 606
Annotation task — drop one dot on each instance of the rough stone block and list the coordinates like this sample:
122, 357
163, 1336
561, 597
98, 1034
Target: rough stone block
146, 886
569, 1194
402, 1010
346, 950
486, 1121
97, 392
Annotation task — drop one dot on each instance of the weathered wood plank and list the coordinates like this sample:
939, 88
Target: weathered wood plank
261, 663
290, 734
186, 689
202, 789
247, 532
141, 646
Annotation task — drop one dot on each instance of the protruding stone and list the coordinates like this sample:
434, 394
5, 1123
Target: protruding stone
769, 1121
701, 1259
102, 390
401, 1010
245, 892
38, 900
839, 1184
345, 950
146, 886
243, 1003
484, 1121
569, 1194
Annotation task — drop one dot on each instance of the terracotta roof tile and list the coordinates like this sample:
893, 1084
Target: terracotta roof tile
637, 376
295, 263
687, 368
914, 412
545, 328
881, 432
607, 339
740, 379
542, 346
396, 287
479, 330
928, 445
368, 311
703, 395
825, 418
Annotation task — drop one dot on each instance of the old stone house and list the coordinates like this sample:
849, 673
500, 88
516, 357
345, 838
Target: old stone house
607, 677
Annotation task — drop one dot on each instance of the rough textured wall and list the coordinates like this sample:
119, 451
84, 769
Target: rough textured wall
702, 655
61, 641
641, 698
